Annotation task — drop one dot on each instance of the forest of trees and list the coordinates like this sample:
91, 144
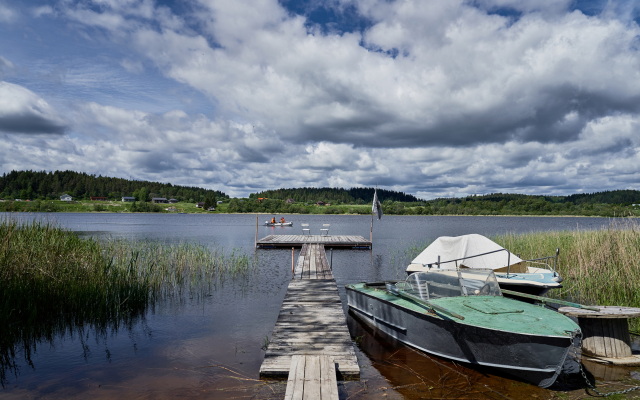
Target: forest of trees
333, 195
617, 203
41, 185
45, 187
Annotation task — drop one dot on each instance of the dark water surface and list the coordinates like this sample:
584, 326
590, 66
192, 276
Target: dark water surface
211, 347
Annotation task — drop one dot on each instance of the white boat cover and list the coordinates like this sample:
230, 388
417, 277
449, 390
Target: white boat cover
462, 247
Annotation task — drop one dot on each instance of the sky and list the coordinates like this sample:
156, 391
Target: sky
438, 98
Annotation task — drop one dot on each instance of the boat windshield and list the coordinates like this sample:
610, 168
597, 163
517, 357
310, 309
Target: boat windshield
437, 284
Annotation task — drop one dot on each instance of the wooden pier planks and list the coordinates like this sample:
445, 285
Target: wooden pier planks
311, 378
311, 322
348, 241
312, 263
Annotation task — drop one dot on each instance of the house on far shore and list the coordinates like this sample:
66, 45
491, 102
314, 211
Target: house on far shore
66, 197
128, 198
159, 200
200, 204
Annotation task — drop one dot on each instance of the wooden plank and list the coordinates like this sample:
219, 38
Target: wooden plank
295, 381
312, 378
328, 379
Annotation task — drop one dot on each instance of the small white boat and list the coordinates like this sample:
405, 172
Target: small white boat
268, 223
533, 277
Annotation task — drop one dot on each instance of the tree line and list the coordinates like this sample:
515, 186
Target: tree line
333, 195
41, 185
44, 186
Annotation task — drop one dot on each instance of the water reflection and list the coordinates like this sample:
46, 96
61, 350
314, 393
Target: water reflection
21, 341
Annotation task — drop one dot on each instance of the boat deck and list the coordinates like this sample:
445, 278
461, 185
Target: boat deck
311, 320
346, 241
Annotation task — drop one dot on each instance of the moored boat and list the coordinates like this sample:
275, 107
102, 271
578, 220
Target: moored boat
533, 277
462, 316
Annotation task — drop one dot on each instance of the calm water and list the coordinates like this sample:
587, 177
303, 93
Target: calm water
211, 348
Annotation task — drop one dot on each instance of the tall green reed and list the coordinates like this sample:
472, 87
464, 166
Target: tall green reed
600, 267
52, 281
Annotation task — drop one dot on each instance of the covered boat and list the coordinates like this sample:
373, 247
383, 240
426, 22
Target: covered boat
534, 277
461, 315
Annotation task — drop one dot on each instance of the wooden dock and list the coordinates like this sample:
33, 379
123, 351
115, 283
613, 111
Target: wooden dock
345, 241
312, 263
311, 322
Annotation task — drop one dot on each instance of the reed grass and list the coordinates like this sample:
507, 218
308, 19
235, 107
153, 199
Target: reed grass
599, 267
52, 281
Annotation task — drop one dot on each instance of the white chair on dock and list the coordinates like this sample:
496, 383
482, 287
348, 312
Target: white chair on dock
305, 229
325, 229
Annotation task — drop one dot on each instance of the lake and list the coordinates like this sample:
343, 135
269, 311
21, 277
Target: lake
211, 347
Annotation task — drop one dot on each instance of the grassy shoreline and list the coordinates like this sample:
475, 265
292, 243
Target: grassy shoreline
113, 206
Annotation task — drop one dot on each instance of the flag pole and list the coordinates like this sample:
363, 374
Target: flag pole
371, 231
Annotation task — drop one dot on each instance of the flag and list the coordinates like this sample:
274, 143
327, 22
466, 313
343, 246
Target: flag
376, 208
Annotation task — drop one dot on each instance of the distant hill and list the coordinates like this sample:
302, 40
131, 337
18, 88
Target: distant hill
620, 197
616, 203
334, 195
623, 197
34, 185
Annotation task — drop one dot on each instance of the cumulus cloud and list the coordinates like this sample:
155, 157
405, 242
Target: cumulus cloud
468, 78
22, 111
7, 14
437, 98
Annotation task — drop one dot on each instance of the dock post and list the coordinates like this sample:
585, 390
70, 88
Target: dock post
256, 241
331, 259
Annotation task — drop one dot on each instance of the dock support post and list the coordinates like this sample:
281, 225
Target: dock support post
331, 259
256, 241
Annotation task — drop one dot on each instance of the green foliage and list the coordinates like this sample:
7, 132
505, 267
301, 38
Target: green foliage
210, 202
141, 206
334, 195
32, 185
601, 204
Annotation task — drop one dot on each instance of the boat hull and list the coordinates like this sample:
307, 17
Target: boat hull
537, 359
279, 223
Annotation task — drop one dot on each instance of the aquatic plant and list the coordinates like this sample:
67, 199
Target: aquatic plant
53, 281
